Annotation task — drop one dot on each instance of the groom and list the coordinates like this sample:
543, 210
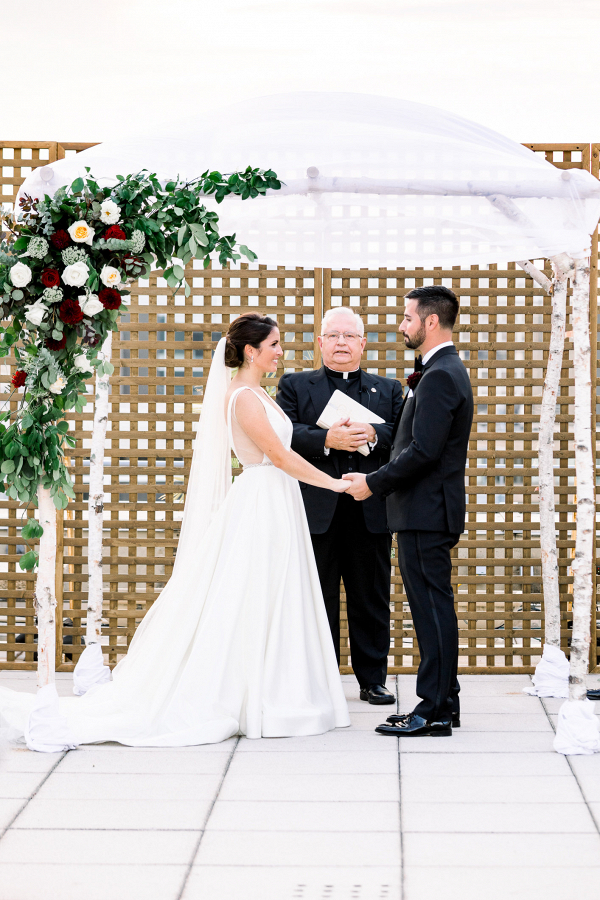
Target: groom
425, 490
351, 540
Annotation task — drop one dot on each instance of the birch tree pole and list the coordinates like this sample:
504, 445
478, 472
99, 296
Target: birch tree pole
577, 730
45, 590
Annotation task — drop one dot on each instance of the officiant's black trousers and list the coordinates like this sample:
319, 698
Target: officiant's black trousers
425, 566
347, 550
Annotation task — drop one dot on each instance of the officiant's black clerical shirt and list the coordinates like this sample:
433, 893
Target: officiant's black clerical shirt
350, 385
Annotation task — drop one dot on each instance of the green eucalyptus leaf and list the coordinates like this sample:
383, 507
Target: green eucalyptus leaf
7, 466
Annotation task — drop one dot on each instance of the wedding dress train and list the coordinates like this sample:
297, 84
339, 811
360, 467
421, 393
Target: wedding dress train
238, 641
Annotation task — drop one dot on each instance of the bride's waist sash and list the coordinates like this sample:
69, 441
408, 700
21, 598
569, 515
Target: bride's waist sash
256, 465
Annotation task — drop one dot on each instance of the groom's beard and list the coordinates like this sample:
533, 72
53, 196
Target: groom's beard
413, 343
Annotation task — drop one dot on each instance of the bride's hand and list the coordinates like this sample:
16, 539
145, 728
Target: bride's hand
339, 486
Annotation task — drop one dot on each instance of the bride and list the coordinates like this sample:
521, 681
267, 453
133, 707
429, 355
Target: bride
238, 641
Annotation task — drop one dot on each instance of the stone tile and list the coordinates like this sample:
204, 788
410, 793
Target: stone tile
284, 883
480, 742
371, 788
92, 882
590, 787
337, 763
483, 789
79, 786
510, 706
115, 814
122, 760
8, 809
15, 759
534, 850
515, 818
19, 784
585, 765
234, 815
244, 848
499, 883
62, 847
340, 740
490, 765
368, 721
492, 722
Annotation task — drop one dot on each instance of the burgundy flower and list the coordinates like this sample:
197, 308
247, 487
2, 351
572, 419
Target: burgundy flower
109, 298
50, 278
60, 239
116, 232
18, 378
70, 312
51, 344
413, 380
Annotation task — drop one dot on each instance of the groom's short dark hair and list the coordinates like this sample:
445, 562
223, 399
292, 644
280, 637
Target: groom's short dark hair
434, 298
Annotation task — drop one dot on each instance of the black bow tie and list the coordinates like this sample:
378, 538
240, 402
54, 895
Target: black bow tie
418, 364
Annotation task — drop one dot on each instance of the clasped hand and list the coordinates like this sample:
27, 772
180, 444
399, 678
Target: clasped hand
349, 436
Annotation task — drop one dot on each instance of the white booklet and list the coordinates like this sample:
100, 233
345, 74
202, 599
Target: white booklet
341, 406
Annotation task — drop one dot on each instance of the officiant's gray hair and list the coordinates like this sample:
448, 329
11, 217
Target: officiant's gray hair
335, 310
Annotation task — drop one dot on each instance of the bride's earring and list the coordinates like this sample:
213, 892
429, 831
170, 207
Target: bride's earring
251, 359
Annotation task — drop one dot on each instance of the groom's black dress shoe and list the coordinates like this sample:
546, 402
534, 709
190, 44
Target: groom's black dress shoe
377, 694
455, 719
413, 725
593, 694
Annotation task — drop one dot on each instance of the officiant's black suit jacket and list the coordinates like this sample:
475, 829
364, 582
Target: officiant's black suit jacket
303, 396
424, 482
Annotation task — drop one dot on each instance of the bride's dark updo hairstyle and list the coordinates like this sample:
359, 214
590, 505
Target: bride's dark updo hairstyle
248, 329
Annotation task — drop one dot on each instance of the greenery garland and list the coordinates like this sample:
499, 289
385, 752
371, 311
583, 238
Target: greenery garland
65, 267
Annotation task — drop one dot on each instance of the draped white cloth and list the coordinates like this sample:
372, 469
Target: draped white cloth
370, 181
238, 640
577, 729
551, 677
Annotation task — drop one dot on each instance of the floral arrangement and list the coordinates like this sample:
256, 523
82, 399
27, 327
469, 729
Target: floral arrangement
64, 275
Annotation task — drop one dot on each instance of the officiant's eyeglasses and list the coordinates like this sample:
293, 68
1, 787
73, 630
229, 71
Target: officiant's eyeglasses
347, 335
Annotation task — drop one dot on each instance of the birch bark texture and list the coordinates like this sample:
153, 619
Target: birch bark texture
45, 589
93, 629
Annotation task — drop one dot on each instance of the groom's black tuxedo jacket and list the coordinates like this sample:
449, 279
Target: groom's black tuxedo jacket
303, 396
424, 482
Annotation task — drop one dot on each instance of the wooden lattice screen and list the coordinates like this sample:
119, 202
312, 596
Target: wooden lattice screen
161, 358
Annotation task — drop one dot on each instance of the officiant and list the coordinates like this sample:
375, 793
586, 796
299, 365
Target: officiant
351, 540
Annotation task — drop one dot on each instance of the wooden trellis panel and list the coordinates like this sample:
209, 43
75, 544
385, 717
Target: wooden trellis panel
162, 357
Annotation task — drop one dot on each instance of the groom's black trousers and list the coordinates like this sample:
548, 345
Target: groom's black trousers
425, 566
348, 551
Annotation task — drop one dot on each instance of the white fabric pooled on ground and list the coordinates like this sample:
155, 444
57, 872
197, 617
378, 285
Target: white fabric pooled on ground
46, 730
90, 670
551, 678
578, 729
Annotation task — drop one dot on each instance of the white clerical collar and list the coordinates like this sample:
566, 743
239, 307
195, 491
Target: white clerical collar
430, 353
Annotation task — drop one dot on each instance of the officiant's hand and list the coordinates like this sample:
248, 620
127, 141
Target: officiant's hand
358, 485
349, 436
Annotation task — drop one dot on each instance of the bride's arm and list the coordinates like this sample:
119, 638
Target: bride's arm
252, 417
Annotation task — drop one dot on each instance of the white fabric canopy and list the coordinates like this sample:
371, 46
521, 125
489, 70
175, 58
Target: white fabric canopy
370, 181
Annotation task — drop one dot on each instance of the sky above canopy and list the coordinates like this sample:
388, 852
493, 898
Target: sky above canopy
88, 72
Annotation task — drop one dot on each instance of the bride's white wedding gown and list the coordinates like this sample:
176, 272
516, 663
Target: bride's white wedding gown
238, 642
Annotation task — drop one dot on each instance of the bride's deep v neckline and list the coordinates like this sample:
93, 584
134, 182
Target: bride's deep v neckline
263, 397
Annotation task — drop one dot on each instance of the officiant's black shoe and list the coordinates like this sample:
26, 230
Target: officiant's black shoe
593, 694
377, 694
413, 725
455, 719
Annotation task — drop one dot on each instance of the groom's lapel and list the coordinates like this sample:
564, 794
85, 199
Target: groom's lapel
319, 390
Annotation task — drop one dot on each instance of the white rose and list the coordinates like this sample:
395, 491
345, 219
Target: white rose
82, 363
76, 275
90, 305
36, 313
110, 212
110, 276
20, 275
58, 385
81, 232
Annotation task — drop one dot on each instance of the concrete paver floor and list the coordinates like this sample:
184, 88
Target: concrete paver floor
492, 812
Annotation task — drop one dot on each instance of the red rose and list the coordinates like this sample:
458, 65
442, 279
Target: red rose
18, 378
413, 380
116, 232
50, 278
51, 344
60, 239
109, 298
70, 312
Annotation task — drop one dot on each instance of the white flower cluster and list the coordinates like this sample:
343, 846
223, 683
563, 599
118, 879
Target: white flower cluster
52, 295
20, 275
138, 241
37, 247
72, 255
